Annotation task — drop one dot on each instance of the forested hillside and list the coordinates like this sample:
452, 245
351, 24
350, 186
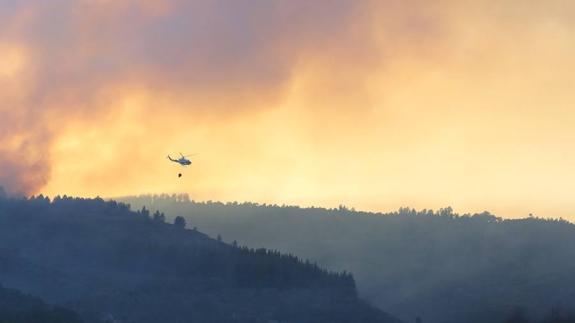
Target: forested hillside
16, 307
111, 264
440, 266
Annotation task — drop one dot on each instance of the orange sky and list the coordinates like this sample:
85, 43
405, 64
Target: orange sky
374, 104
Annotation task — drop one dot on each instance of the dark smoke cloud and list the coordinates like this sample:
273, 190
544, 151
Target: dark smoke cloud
24, 168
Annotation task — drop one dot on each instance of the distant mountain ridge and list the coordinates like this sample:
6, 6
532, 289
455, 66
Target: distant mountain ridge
438, 265
105, 261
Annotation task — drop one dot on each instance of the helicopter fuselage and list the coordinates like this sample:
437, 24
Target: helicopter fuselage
182, 161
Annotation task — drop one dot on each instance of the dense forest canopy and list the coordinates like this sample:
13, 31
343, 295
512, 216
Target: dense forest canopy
16, 307
107, 262
438, 265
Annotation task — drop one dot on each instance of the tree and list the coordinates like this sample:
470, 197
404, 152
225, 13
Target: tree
159, 217
145, 212
180, 222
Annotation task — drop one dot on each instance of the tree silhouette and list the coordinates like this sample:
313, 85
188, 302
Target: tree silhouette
180, 222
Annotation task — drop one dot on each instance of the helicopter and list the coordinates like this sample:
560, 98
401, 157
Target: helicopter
183, 160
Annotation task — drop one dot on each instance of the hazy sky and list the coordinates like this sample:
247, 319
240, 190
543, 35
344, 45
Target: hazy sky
372, 104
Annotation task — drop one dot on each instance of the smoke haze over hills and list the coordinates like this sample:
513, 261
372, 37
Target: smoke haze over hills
374, 104
439, 265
